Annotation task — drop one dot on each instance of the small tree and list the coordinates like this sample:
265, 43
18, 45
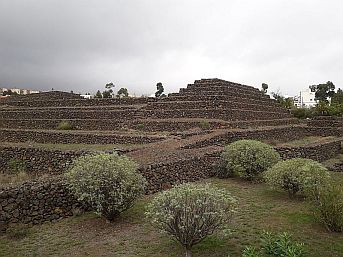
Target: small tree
160, 89
264, 88
248, 159
98, 94
190, 212
122, 92
298, 176
108, 182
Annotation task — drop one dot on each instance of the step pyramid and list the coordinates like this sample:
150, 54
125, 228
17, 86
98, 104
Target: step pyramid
218, 99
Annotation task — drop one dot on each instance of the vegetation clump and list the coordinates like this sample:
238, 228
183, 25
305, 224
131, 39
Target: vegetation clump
17, 166
189, 212
298, 176
108, 182
65, 125
329, 207
204, 124
140, 126
276, 246
248, 159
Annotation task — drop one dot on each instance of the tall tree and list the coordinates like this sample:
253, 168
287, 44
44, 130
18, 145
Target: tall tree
107, 93
323, 91
337, 98
123, 92
109, 85
264, 88
160, 89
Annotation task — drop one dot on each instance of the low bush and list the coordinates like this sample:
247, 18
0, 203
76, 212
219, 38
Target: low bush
65, 125
280, 245
329, 207
298, 176
140, 126
204, 124
303, 113
108, 182
248, 159
189, 212
16, 166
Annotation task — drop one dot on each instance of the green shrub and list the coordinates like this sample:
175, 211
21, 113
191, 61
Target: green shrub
329, 207
204, 124
189, 212
17, 166
303, 113
281, 245
140, 126
248, 159
250, 252
298, 176
108, 182
65, 125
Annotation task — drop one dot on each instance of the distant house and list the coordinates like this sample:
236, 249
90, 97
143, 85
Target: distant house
87, 96
305, 99
19, 91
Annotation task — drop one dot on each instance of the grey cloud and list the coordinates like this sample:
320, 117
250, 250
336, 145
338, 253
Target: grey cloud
81, 45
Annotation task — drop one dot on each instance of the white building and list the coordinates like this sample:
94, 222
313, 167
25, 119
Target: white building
87, 96
305, 99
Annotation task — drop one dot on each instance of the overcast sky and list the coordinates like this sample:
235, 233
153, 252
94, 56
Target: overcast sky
81, 45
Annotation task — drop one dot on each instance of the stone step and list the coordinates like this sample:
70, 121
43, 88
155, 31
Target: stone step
209, 87
213, 104
69, 114
228, 92
74, 137
216, 97
224, 114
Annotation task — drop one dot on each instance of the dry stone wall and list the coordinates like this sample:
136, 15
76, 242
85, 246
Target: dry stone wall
280, 134
326, 121
46, 200
38, 201
38, 161
150, 125
56, 137
76, 102
318, 152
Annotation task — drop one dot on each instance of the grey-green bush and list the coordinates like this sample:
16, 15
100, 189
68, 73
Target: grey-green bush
298, 176
108, 182
189, 212
65, 125
329, 207
248, 159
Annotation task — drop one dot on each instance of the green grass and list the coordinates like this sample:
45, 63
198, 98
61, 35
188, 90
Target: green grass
259, 209
307, 140
331, 162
